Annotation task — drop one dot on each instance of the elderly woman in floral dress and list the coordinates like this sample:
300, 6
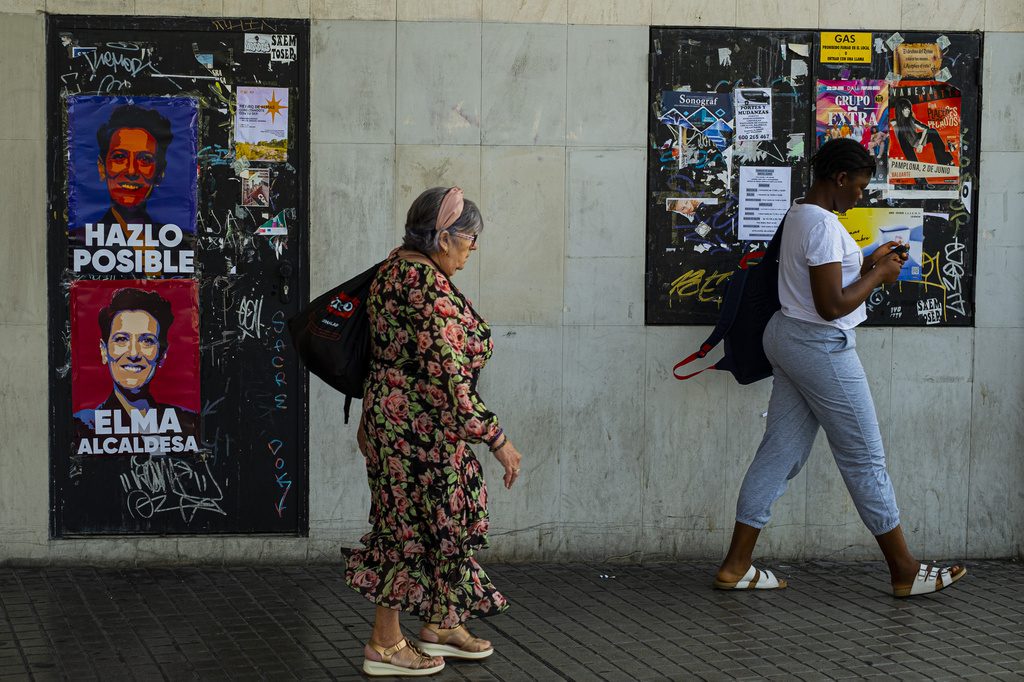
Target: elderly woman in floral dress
421, 409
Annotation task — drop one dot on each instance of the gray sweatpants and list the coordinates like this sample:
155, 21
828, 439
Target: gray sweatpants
819, 381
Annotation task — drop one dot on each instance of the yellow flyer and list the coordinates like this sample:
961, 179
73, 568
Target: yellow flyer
845, 48
872, 227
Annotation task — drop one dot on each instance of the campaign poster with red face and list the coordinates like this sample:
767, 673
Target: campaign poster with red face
924, 134
135, 366
132, 181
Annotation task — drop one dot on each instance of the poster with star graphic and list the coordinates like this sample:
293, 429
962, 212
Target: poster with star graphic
261, 124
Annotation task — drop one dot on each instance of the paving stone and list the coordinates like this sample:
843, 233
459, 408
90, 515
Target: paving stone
652, 622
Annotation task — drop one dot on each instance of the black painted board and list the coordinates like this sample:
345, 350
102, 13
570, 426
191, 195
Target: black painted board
251, 472
945, 294
688, 268
689, 260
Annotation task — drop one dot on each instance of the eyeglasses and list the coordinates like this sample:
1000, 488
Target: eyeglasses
470, 237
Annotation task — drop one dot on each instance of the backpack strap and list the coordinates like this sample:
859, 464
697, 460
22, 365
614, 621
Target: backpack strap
704, 349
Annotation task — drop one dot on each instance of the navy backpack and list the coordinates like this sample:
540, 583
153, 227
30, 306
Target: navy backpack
751, 298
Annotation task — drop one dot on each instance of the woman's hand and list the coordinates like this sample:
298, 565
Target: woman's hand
509, 458
878, 254
889, 267
361, 438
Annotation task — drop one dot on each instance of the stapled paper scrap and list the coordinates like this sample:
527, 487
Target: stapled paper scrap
283, 48
255, 187
257, 43
943, 42
802, 49
894, 40
753, 108
275, 227
943, 75
966, 190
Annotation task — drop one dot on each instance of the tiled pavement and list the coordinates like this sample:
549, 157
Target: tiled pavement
576, 622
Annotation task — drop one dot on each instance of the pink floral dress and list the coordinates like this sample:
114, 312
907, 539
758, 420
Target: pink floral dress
428, 500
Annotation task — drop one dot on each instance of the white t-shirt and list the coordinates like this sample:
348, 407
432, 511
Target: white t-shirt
814, 236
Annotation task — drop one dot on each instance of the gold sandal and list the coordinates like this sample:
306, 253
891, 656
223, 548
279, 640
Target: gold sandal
442, 648
385, 667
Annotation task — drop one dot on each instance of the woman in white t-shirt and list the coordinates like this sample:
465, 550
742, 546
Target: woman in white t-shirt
818, 378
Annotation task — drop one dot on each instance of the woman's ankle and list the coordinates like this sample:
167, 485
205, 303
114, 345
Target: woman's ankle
734, 569
903, 571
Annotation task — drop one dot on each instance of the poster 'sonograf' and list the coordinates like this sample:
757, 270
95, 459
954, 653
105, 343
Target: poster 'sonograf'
703, 127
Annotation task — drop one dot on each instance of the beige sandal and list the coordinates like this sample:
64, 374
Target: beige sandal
385, 667
442, 648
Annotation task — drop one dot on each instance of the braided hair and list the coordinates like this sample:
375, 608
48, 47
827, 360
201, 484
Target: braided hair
837, 156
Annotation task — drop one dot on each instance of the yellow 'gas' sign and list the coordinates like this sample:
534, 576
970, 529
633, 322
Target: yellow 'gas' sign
845, 48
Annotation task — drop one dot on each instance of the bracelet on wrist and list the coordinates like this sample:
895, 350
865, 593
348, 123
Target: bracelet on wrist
498, 444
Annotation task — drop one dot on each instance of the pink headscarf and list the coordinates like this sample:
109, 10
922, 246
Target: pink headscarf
451, 209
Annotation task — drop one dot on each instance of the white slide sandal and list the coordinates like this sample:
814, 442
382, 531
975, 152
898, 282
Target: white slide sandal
753, 579
930, 579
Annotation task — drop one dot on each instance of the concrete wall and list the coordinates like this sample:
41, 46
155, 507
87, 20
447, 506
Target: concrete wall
535, 107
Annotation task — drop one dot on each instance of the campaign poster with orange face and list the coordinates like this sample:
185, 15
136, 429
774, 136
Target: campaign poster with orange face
132, 182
